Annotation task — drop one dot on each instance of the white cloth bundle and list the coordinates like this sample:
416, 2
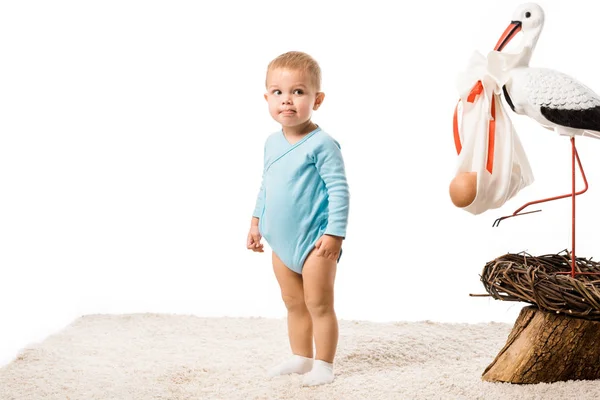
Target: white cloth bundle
486, 139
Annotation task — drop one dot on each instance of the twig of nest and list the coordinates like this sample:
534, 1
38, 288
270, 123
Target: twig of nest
543, 281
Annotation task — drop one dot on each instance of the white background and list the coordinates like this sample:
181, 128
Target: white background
131, 137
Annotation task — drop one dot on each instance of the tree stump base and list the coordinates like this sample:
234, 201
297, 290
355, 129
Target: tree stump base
547, 347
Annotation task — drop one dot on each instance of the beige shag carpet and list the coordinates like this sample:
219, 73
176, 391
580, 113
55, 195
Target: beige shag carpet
177, 357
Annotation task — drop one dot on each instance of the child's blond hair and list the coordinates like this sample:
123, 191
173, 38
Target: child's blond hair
297, 60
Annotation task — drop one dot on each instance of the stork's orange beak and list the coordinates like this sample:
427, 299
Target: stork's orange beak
509, 33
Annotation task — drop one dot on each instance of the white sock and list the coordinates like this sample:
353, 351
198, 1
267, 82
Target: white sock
295, 365
321, 373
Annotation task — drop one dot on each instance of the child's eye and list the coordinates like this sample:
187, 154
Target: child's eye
298, 91
276, 92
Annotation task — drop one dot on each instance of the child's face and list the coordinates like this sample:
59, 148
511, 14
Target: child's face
291, 96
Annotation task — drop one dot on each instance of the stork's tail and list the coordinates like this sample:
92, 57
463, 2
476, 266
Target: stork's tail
593, 134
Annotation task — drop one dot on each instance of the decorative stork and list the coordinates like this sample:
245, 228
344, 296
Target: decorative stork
553, 99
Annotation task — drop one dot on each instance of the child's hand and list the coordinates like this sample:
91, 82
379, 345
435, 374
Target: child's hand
254, 237
329, 247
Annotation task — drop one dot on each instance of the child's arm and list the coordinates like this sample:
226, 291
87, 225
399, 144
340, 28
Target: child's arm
260, 203
330, 165
260, 199
254, 235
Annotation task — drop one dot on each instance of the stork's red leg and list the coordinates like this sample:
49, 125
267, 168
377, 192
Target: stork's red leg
574, 156
573, 194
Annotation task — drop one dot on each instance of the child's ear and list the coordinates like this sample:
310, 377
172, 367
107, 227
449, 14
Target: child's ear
319, 100
266, 97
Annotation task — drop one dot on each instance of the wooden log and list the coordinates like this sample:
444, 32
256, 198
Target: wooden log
547, 347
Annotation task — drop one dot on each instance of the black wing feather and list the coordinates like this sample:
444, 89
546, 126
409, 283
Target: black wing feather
588, 119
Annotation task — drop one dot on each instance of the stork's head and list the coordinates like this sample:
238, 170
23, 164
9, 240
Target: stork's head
527, 18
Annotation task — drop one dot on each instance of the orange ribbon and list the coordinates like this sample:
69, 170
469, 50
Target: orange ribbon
477, 89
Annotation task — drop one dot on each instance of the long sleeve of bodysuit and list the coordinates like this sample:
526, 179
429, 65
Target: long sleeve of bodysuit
260, 199
330, 166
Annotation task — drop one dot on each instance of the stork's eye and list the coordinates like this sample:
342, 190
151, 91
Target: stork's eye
527, 14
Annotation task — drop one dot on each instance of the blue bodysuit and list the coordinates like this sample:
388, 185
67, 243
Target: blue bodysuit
304, 194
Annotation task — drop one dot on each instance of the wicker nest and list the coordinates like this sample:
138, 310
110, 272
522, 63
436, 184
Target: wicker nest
536, 280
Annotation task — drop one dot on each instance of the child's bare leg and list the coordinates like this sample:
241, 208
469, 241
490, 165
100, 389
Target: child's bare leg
319, 277
298, 319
